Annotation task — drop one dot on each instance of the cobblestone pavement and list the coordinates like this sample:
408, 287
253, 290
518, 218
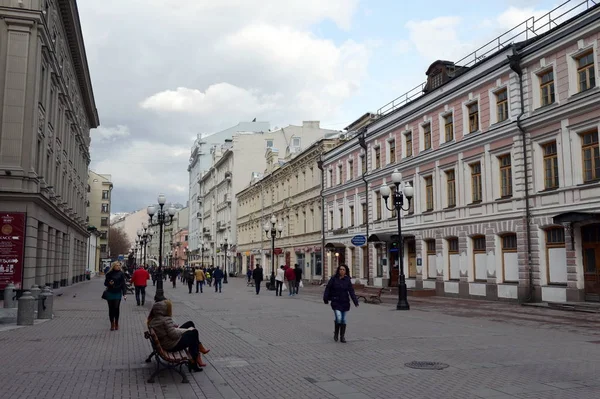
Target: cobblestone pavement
281, 347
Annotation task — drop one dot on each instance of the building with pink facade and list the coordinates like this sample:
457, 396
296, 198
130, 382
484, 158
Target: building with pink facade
503, 153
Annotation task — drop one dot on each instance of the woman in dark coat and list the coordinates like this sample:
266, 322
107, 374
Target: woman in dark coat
116, 288
339, 290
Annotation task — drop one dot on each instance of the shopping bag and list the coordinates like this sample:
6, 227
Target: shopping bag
283, 288
301, 284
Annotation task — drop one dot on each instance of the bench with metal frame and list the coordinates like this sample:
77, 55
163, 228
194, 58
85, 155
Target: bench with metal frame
166, 360
368, 294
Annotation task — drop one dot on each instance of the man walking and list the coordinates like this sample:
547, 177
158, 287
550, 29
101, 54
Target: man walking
199, 279
218, 278
140, 279
290, 276
279, 281
258, 278
189, 278
298, 272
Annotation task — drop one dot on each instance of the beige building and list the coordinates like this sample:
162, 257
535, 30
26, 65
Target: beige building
47, 111
98, 209
291, 192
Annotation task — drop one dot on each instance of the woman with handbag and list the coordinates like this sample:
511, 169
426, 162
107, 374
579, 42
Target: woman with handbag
175, 338
116, 288
339, 291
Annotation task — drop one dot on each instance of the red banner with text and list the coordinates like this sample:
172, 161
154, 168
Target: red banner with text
12, 248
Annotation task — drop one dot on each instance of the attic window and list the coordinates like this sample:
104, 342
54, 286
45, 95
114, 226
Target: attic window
437, 79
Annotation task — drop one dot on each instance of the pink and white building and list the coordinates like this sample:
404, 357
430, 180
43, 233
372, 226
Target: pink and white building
504, 157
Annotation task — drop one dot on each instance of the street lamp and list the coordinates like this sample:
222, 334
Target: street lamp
137, 247
164, 217
225, 245
397, 202
144, 236
271, 229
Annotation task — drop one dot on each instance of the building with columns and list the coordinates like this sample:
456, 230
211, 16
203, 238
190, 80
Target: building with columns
47, 112
292, 193
502, 152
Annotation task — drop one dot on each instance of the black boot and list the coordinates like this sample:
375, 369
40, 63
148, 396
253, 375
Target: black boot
343, 333
336, 332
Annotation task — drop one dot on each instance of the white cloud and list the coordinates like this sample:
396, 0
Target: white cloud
438, 38
106, 134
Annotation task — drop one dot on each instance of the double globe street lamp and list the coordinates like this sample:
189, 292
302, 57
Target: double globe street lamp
273, 230
158, 216
225, 245
401, 190
144, 237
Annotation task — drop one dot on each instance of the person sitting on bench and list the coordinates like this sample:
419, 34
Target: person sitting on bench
174, 338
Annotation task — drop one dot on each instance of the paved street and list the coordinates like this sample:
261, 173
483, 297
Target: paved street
270, 347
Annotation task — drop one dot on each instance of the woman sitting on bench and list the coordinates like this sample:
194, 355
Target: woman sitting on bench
175, 338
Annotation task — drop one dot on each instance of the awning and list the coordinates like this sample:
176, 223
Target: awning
575, 217
331, 245
383, 237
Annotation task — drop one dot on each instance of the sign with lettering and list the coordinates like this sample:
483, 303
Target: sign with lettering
358, 241
12, 248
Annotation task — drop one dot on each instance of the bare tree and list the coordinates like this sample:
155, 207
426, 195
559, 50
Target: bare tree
118, 242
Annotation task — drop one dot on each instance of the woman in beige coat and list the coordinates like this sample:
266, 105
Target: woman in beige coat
174, 338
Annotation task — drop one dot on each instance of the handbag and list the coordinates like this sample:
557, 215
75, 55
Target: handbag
105, 294
301, 284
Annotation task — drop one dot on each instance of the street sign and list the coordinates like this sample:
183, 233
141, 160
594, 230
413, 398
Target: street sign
121, 258
12, 248
358, 241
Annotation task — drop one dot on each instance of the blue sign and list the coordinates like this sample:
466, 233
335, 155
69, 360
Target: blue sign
121, 257
358, 241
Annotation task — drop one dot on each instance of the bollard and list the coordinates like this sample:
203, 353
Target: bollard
26, 311
10, 296
45, 304
35, 291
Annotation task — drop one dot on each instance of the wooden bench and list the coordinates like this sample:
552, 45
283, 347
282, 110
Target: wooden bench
168, 360
370, 295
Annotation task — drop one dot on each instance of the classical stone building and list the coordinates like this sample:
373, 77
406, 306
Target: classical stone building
47, 111
503, 154
99, 191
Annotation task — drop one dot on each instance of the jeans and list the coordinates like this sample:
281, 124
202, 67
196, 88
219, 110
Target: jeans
189, 340
190, 284
278, 287
140, 289
199, 284
296, 286
218, 284
113, 309
340, 317
257, 286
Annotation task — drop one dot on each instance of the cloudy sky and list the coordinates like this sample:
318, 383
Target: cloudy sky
166, 70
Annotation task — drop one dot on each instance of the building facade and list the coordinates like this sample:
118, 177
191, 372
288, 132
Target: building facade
47, 112
502, 155
98, 209
234, 165
292, 193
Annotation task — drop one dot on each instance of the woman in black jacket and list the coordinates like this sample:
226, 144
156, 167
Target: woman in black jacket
116, 288
339, 291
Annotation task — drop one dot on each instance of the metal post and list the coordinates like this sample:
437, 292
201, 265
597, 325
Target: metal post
225, 246
402, 290
160, 295
272, 280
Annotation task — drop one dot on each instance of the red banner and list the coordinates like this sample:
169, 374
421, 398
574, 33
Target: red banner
12, 248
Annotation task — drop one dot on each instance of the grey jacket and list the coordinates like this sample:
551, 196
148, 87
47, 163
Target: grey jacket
167, 333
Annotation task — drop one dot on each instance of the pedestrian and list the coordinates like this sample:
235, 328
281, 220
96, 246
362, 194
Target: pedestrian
218, 276
154, 274
249, 274
208, 275
200, 277
140, 280
257, 275
175, 338
339, 290
279, 281
189, 278
290, 276
173, 274
298, 272
116, 288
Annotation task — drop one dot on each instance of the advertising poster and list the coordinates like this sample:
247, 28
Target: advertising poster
12, 248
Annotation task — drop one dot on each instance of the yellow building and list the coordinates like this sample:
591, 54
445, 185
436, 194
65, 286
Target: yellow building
98, 209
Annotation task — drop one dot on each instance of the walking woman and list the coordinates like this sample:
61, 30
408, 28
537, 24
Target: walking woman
339, 291
116, 288
174, 338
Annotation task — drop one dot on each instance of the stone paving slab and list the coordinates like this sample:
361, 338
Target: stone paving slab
280, 347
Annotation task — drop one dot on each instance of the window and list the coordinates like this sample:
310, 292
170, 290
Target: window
408, 144
377, 158
350, 169
104, 208
103, 248
330, 177
550, 166
479, 245
547, 88
476, 190
453, 258
269, 143
591, 156
510, 267
351, 216
556, 259
378, 205
505, 176
103, 234
105, 194
341, 218
479, 258
451, 188
339, 174
365, 214
429, 193
427, 136
430, 247
586, 78
473, 117
392, 144
449, 127
502, 105
363, 163
430, 259
296, 142
104, 222
330, 220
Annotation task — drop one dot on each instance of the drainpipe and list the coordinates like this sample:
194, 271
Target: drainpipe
362, 142
515, 65
320, 166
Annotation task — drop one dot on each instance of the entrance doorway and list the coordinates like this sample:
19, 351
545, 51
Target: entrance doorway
412, 258
590, 236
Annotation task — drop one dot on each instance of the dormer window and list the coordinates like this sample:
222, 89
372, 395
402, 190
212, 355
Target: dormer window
269, 143
437, 80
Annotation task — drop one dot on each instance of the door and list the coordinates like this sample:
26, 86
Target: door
591, 261
412, 258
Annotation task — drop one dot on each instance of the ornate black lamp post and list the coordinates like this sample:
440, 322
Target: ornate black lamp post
160, 217
145, 236
202, 249
402, 190
224, 246
270, 228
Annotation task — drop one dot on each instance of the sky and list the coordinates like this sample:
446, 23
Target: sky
164, 71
